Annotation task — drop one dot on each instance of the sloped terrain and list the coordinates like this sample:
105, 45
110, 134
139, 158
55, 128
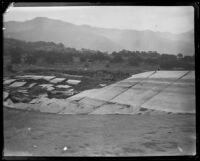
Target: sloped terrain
149, 92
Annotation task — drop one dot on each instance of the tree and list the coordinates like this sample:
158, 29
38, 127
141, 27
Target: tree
167, 61
16, 55
117, 58
134, 60
179, 56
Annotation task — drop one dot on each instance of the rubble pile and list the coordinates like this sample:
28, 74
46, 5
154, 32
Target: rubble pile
26, 88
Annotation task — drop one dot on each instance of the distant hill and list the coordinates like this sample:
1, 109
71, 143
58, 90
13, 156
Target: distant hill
84, 36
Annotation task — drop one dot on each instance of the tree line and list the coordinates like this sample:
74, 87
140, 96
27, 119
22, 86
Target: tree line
18, 52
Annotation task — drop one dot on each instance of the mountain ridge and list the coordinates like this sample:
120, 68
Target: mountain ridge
97, 38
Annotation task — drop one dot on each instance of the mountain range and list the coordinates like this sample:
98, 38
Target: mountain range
96, 38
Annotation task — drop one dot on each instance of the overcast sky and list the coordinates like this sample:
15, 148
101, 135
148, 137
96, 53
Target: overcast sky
174, 19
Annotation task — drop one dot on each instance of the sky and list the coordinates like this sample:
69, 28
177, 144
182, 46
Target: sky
174, 19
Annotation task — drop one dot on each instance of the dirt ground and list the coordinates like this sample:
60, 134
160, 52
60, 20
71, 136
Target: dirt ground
41, 134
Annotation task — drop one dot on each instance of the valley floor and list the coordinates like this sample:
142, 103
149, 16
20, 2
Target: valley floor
40, 134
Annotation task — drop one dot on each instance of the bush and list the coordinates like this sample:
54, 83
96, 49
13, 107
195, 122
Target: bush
134, 61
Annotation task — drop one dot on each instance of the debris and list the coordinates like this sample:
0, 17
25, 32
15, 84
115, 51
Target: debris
102, 85
61, 94
29, 129
47, 86
35, 77
180, 149
48, 77
22, 91
74, 82
16, 97
63, 86
17, 84
57, 80
35, 146
31, 85
8, 103
5, 95
50, 88
8, 81
65, 148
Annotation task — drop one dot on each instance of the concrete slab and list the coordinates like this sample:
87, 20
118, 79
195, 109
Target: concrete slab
9, 81
73, 82
5, 95
17, 84
31, 85
163, 91
8, 103
107, 94
48, 78
142, 75
146, 89
63, 86
46, 85
179, 97
34, 77
81, 95
168, 74
57, 80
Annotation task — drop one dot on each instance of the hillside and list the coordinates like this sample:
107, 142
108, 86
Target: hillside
84, 36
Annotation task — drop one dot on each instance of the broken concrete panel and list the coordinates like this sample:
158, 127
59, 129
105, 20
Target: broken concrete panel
73, 82
63, 86
5, 95
47, 86
17, 84
8, 103
23, 91
141, 75
6, 82
57, 80
48, 78
34, 77
31, 85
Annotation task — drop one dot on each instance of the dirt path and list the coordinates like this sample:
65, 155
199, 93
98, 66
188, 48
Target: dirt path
41, 134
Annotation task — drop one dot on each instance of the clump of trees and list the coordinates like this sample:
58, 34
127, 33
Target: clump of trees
52, 53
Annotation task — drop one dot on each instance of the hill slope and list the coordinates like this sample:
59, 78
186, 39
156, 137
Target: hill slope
84, 36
